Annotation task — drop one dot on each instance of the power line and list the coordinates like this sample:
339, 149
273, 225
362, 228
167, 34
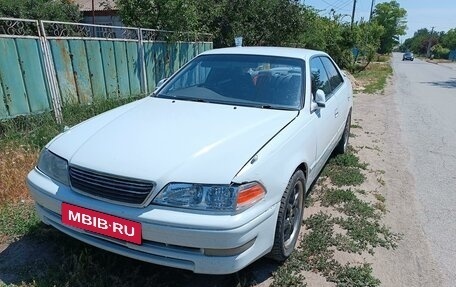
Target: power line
343, 5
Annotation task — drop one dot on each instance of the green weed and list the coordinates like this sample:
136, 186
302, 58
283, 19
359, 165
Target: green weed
355, 126
374, 77
37, 130
17, 219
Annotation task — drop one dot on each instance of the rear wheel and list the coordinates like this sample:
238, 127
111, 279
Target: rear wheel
290, 218
343, 143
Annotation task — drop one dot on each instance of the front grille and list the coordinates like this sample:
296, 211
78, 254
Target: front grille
111, 187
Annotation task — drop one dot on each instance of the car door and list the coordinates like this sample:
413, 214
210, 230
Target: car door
326, 117
338, 91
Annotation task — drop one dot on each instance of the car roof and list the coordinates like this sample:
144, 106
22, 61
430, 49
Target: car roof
266, 51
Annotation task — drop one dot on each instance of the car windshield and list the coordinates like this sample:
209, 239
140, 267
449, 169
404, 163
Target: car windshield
247, 80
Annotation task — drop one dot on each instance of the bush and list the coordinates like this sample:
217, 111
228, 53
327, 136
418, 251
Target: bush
440, 52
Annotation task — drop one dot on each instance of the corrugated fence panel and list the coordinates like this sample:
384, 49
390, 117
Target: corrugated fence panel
33, 75
86, 69
174, 62
81, 70
14, 93
208, 46
183, 53
160, 61
149, 62
96, 70
3, 111
64, 70
134, 68
109, 64
120, 51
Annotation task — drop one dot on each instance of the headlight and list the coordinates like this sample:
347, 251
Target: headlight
226, 198
53, 166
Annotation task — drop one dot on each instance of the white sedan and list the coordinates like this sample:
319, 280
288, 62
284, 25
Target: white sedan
209, 173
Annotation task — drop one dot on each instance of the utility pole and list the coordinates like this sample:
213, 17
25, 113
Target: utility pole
372, 10
428, 54
353, 13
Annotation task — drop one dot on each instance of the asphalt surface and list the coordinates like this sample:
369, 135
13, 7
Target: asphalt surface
426, 97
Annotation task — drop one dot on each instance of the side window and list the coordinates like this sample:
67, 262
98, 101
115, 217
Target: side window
319, 78
335, 79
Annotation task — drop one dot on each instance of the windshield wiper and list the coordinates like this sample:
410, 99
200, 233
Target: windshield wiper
183, 98
270, 107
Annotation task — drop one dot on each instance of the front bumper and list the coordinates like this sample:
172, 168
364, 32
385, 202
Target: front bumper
202, 243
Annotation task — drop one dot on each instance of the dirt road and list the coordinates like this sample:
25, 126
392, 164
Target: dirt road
415, 121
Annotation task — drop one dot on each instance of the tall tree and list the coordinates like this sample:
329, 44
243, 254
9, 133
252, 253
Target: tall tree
393, 19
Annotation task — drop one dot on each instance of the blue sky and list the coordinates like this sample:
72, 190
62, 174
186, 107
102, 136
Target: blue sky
420, 13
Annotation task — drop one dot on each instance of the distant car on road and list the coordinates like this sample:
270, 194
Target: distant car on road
408, 56
208, 173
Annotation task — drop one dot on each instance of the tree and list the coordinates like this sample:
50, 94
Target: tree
259, 22
392, 17
367, 36
57, 10
449, 39
421, 40
175, 15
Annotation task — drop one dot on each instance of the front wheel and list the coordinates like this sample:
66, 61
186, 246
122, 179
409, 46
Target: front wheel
290, 218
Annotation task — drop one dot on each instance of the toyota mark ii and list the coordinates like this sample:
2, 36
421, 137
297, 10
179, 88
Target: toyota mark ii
209, 173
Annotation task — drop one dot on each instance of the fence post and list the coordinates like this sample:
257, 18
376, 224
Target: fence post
142, 62
51, 79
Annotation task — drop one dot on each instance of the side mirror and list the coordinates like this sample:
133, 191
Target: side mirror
319, 101
161, 82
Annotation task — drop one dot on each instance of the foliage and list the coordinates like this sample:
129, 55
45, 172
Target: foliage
58, 10
440, 43
175, 15
418, 43
391, 17
259, 22
17, 219
367, 39
440, 52
449, 39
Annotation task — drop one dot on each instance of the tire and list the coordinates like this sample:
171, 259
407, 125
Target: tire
290, 218
343, 143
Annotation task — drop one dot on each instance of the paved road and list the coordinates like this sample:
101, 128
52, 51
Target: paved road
426, 98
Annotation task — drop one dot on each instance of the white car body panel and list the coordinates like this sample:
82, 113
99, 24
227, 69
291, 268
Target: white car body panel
193, 135
165, 140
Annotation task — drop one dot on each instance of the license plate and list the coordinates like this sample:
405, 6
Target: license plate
101, 223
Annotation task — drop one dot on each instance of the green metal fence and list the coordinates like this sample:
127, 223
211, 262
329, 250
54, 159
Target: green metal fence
46, 64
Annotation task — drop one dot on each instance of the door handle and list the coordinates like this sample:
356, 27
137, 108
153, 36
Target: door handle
336, 113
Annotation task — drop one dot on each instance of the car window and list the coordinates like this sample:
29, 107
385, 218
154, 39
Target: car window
250, 80
319, 77
191, 77
335, 79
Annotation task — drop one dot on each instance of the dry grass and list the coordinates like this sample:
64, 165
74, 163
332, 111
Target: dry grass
15, 163
373, 79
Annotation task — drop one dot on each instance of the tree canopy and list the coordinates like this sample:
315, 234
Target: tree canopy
392, 18
440, 43
58, 10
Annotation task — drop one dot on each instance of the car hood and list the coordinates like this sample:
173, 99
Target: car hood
167, 140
